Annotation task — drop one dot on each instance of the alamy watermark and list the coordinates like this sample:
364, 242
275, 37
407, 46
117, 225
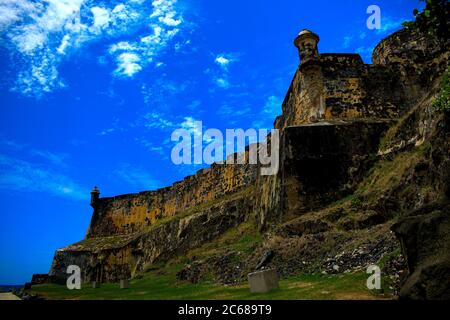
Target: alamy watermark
374, 280
374, 20
74, 280
190, 148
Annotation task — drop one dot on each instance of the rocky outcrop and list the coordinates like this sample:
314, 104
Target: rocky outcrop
39, 278
425, 239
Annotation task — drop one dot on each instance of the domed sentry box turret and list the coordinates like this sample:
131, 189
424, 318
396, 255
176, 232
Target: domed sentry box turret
307, 45
95, 195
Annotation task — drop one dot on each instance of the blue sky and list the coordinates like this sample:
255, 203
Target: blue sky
90, 92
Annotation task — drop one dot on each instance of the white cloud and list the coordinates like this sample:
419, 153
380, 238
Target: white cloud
158, 149
155, 120
389, 24
164, 22
162, 8
101, 17
224, 60
221, 60
32, 38
128, 64
221, 77
13, 11
41, 75
124, 16
48, 32
272, 106
42, 36
64, 44
122, 46
222, 83
189, 124
169, 19
270, 110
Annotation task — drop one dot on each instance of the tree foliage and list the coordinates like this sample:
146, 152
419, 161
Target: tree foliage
433, 20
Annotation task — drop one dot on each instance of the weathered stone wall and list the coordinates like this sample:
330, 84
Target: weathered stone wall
325, 149
134, 212
319, 163
323, 162
341, 86
109, 259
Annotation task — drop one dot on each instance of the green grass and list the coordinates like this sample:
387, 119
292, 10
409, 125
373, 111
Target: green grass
244, 238
163, 285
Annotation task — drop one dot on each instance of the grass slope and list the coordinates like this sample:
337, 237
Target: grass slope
162, 285
159, 281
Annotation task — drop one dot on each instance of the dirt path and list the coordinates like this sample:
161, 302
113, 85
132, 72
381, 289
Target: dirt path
8, 296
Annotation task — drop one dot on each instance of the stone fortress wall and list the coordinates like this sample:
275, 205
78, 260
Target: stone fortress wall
325, 87
131, 213
333, 116
341, 86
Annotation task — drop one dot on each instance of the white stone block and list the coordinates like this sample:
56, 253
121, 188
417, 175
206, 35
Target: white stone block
263, 281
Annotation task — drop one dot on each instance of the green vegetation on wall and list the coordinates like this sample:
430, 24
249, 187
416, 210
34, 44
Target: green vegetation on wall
433, 20
442, 102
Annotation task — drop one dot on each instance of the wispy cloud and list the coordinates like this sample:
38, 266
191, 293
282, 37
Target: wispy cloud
114, 128
164, 23
222, 61
353, 39
46, 33
221, 75
389, 24
11, 146
136, 178
53, 158
225, 59
228, 111
128, 64
23, 168
347, 40
19, 175
222, 82
272, 107
165, 123
159, 92
190, 124
270, 110
156, 120
151, 146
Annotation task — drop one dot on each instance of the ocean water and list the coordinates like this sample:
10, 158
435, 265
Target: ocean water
9, 287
